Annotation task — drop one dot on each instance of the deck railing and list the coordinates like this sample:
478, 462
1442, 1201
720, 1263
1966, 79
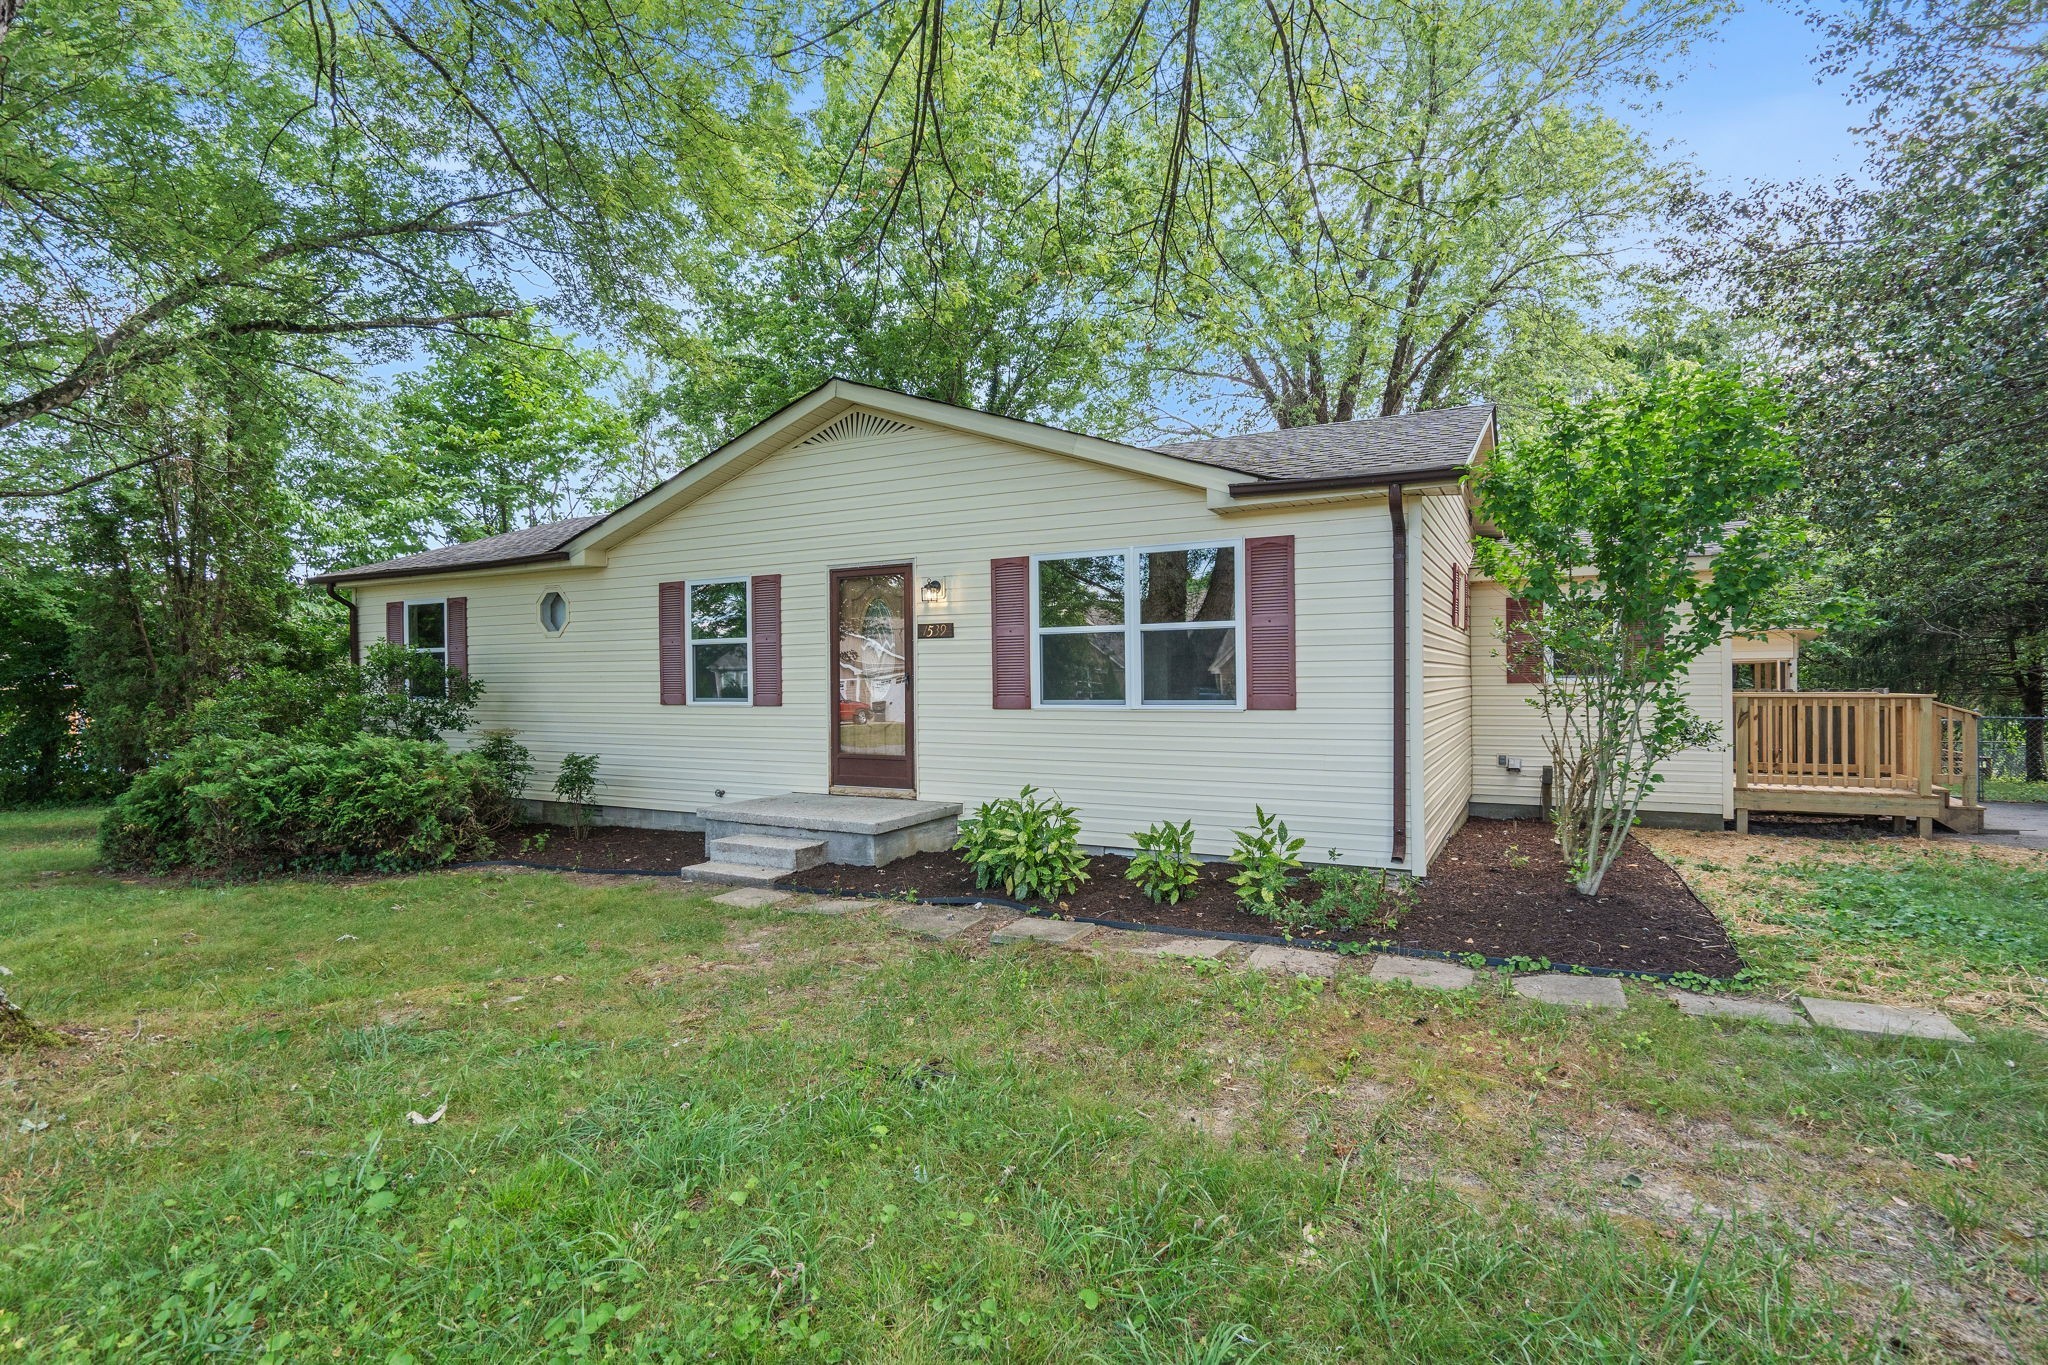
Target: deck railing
1855, 741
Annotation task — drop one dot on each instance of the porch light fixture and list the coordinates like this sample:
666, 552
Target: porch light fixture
933, 593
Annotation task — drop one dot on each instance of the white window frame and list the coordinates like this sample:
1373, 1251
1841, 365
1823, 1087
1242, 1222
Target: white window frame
540, 608
438, 651
1133, 630
691, 639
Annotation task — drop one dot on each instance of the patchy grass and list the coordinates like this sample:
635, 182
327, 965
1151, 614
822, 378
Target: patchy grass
2012, 789
675, 1131
1960, 926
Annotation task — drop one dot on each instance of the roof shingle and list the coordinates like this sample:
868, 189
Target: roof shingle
1369, 448
527, 543
1409, 443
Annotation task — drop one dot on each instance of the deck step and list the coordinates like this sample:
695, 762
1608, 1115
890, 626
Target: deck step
737, 874
784, 852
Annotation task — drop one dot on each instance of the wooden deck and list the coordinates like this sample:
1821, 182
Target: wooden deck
1907, 755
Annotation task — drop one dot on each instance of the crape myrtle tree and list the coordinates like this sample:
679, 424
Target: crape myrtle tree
1607, 519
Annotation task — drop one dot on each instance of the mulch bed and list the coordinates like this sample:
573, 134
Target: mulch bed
1498, 888
604, 848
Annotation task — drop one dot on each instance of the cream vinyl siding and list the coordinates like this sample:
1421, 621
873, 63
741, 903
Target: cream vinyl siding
1446, 545
946, 502
1699, 782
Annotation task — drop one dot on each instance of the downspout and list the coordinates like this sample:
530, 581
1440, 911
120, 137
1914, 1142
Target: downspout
355, 631
1398, 515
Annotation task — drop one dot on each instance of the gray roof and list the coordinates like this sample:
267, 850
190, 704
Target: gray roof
514, 547
1366, 449
1410, 443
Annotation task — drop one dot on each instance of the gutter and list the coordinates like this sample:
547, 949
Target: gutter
355, 625
428, 571
1398, 517
1337, 482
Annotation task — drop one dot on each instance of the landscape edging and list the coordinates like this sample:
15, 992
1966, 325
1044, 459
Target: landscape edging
1277, 940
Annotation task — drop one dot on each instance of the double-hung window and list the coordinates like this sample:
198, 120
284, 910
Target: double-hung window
426, 630
720, 665
1141, 627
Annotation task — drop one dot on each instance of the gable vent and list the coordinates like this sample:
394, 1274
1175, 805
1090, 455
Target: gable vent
854, 426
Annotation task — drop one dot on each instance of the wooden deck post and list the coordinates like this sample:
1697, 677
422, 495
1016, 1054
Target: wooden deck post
1923, 717
1969, 758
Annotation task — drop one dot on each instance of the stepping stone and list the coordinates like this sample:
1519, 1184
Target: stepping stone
843, 906
751, 897
1268, 957
1421, 971
1731, 1007
1899, 1021
1031, 929
1573, 992
935, 921
1175, 946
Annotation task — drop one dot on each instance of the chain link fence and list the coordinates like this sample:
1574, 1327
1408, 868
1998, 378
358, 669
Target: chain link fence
2002, 744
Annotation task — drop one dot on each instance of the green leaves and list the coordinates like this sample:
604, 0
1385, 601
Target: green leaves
1027, 844
1165, 866
1264, 857
1640, 528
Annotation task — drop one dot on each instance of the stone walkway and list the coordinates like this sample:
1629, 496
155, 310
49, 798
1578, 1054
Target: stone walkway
1564, 990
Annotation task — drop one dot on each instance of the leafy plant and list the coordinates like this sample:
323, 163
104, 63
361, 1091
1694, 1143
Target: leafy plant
269, 802
1349, 899
1264, 857
1165, 866
576, 783
1635, 484
1028, 844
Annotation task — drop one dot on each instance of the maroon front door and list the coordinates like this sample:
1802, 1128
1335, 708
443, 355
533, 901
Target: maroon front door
872, 699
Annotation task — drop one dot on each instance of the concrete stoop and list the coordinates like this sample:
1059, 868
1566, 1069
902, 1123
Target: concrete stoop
863, 831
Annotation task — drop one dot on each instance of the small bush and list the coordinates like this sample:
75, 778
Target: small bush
1027, 844
1347, 900
1165, 865
576, 784
271, 803
1264, 858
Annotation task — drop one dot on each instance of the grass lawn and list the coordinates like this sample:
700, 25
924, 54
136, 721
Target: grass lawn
1963, 927
676, 1131
2012, 789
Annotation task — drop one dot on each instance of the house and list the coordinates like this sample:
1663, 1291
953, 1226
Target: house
874, 595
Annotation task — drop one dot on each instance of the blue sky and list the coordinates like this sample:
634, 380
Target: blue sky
1747, 107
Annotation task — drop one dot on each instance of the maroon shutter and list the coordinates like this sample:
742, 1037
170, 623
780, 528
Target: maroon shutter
1269, 623
673, 691
765, 599
457, 636
1009, 599
1525, 656
394, 622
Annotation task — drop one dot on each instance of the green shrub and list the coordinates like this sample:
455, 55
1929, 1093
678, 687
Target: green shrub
271, 803
576, 783
400, 692
1346, 900
1264, 858
1165, 865
1027, 844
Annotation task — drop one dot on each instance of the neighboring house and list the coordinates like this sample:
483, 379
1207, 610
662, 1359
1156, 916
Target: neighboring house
871, 593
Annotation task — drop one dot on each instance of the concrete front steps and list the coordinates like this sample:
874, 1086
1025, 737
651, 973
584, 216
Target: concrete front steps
763, 840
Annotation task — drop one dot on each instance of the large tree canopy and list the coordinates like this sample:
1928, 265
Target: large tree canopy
1912, 310
229, 185
1376, 185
